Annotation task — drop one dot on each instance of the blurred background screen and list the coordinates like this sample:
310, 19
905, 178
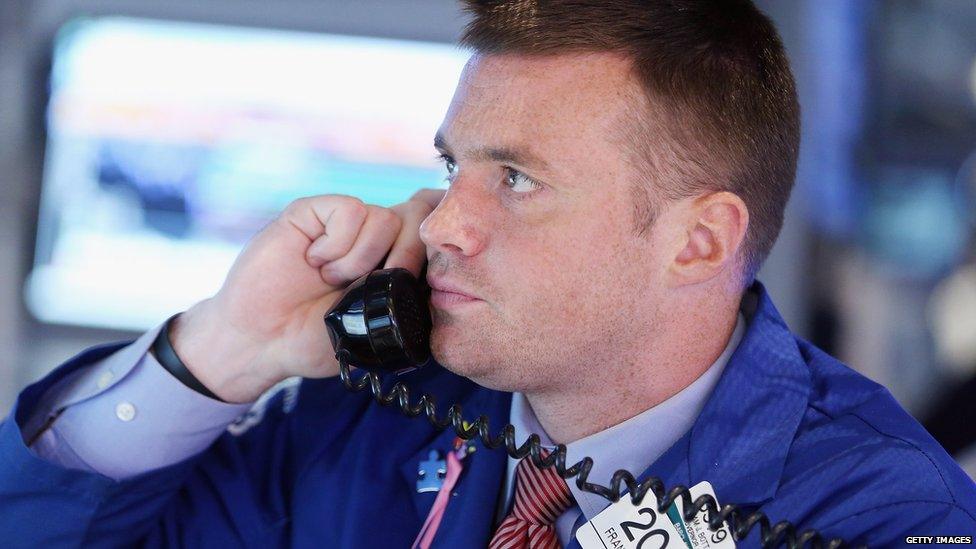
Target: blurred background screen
170, 144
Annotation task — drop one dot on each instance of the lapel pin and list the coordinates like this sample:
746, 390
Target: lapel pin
431, 473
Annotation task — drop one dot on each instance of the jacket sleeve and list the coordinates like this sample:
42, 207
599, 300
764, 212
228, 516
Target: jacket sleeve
234, 493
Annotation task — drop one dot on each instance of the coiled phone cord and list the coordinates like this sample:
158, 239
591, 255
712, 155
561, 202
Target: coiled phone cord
770, 536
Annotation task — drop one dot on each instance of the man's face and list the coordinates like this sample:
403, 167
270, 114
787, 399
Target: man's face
538, 224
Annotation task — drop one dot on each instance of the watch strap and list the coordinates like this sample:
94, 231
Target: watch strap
162, 347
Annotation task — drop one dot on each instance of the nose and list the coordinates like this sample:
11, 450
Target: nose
457, 224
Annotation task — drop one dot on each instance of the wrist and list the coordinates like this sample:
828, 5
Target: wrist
226, 361
163, 350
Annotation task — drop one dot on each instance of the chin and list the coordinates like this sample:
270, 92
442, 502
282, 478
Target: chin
468, 352
453, 356
460, 356
489, 375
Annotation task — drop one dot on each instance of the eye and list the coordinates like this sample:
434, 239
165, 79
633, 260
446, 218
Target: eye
519, 182
450, 165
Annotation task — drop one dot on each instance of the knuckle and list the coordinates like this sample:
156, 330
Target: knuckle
352, 204
297, 205
387, 217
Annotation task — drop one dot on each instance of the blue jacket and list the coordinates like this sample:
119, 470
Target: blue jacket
788, 430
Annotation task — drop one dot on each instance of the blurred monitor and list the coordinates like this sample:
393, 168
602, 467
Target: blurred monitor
170, 144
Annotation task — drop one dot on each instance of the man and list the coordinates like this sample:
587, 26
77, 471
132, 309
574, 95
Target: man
618, 171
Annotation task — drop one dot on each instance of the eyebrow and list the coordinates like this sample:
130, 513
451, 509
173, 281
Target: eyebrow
497, 154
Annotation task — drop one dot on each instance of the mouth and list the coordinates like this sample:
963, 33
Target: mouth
446, 300
445, 294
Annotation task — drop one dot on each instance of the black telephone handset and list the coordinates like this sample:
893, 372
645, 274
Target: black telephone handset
382, 322
382, 325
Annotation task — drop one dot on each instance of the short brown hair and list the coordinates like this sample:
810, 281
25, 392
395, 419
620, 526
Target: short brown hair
715, 69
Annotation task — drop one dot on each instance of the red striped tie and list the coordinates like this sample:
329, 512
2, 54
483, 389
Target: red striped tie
541, 495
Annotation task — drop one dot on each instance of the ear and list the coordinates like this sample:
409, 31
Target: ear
715, 228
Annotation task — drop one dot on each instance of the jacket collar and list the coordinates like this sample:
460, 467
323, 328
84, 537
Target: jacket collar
741, 439
743, 435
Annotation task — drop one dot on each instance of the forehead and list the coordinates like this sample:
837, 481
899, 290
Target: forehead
541, 100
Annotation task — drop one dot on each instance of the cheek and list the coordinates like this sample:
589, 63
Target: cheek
576, 253
554, 271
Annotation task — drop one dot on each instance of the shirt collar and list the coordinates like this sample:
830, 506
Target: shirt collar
632, 444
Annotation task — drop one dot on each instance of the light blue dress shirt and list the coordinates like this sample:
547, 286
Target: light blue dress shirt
127, 415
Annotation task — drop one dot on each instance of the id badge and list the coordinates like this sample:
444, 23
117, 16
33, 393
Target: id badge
624, 525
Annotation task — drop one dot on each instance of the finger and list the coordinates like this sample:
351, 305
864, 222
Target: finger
409, 252
374, 240
330, 222
431, 197
338, 235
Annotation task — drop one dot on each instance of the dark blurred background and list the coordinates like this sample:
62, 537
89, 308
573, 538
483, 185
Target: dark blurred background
142, 142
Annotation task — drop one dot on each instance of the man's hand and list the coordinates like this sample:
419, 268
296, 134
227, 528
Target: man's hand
265, 324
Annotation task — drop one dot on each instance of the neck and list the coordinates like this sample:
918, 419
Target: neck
641, 377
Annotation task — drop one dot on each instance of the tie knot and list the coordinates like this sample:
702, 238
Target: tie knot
541, 495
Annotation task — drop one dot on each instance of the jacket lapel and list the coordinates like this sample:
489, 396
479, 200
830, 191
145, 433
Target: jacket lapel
743, 435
